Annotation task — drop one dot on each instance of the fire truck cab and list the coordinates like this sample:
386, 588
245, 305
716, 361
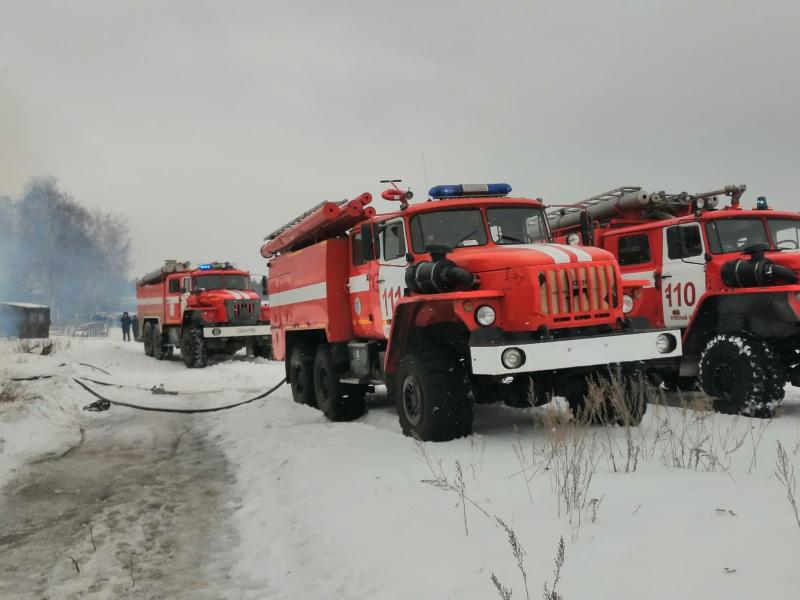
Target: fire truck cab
210, 309
458, 299
726, 276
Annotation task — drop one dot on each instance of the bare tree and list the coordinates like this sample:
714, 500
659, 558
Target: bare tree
57, 252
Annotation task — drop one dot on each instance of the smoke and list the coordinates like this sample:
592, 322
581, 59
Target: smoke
56, 252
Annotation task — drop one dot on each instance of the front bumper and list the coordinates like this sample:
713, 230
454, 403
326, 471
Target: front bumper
555, 355
234, 331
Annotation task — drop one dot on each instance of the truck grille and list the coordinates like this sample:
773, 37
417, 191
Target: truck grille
242, 312
578, 292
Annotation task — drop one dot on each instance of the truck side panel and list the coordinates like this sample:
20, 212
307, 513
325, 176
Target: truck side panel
307, 291
150, 302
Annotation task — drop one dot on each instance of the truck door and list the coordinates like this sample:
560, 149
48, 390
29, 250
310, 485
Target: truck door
391, 270
363, 309
172, 300
683, 274
186, 287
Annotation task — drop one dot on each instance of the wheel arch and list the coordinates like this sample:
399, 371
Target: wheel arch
409, 318
763, 314
311, 337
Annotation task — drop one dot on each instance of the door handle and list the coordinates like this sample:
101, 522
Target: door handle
666, 277
380, 280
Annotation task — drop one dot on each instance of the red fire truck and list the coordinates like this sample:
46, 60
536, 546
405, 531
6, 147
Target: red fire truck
727, 276
204, 310
459, 299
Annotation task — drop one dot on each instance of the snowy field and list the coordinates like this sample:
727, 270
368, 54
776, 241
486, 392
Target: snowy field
272, 501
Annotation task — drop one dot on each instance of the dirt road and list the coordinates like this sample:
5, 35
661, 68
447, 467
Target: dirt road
139, 509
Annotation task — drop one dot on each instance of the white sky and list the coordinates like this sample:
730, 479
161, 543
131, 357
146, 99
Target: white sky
209, 124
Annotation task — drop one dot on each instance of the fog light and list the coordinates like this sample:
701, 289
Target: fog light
666, 343
627, 303
485, 315
512, 358
216, 331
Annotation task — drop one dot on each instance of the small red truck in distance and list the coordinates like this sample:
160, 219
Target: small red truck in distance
210, 309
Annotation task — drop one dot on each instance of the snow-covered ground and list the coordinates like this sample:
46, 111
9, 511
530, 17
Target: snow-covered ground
272, 501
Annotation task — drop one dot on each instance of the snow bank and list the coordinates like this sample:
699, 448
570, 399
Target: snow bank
342, 510
46, 421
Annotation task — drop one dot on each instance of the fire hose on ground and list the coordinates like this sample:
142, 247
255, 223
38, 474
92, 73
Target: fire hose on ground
102, 403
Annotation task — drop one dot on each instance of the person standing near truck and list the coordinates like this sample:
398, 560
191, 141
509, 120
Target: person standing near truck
125, 320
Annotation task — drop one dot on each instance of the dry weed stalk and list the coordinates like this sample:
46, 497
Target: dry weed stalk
618, 398
572, 458
561, 554
440, 481
519, 554
784, 471
11, 391
756, 435
504, 592
691, 436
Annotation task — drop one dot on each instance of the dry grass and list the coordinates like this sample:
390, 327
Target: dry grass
11, 391
784, 471
43, 347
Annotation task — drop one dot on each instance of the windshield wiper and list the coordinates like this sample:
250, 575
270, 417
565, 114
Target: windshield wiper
466, 237
510, 238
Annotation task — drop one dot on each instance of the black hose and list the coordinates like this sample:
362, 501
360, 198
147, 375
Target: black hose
102, 403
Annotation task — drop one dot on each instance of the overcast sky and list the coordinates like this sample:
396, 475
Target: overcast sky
209, 124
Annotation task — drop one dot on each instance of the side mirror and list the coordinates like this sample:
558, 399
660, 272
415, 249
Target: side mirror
264, 291
587, 233
368, 242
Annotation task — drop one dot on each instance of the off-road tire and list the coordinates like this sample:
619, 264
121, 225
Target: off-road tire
194, 350
742, 375
301, 373
339, 401
147, 338
263, 350
160, 350
432, 395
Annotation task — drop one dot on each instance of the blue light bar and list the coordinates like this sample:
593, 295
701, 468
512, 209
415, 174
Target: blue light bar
205, 267
469, 190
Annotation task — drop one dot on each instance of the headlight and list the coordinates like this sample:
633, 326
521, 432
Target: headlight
512, 358
627, 303
573, 239
701, 203
485, 315
216, 331
666, 343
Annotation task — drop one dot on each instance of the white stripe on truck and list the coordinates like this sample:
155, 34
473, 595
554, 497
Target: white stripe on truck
315, 291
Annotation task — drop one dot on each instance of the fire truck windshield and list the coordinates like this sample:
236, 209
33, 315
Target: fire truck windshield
455, 228
522, 225
733, 235
785, 233
221, 282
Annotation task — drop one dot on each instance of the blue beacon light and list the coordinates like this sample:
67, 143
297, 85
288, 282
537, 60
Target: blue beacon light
467, 190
